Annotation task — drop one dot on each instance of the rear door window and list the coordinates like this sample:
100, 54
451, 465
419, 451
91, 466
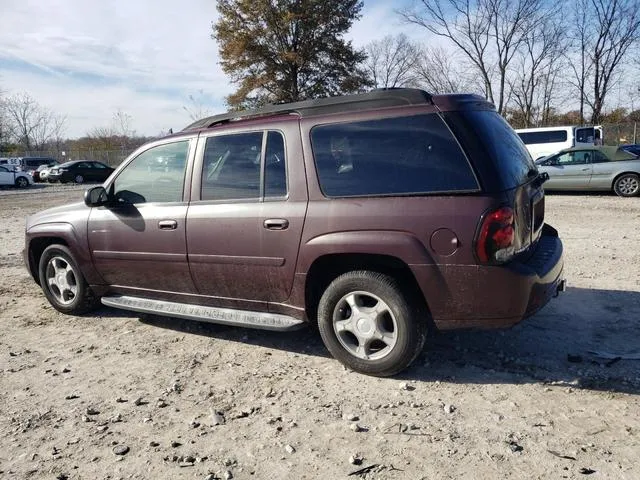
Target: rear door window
393, 156
233, 167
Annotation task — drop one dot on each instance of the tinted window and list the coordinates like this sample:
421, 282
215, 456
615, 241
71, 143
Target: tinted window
231, 167
275, 171
391, 156
551, 136
584, 135
511, 158
156, 175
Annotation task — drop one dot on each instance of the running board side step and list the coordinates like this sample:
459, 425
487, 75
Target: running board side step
225, 316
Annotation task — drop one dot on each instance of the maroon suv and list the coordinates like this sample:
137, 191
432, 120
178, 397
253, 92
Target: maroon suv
372, 215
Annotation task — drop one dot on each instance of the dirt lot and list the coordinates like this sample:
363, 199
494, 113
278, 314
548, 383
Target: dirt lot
191, 400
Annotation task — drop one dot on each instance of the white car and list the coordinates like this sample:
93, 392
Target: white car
44, 173
13, 177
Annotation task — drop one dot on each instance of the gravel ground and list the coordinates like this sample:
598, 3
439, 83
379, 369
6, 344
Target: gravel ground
115, 395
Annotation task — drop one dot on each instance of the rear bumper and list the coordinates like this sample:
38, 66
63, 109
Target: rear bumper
499, 296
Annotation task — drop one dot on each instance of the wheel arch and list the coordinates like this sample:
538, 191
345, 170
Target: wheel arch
36, 246
326, 268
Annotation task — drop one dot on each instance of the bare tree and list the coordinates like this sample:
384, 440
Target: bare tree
440, 71
466, 24
31, 124
4, 124
122, 124
487, 32
578, 57
616, 27
536, 71
390, 61
197, 106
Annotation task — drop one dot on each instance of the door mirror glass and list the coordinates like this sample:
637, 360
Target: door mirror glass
128, 197
96, 197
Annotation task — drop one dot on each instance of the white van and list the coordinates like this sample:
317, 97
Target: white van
547, 140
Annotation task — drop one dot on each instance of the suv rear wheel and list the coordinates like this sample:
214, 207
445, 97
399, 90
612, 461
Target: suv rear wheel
369, 325
63, 283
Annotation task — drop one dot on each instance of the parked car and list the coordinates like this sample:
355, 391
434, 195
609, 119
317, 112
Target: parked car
374, 216
44, 174
32, 163
9, 176
80, 171
544, 141
40, 174
593, 168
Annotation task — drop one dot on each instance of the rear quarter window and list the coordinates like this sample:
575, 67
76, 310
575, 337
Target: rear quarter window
393, 156
506, 154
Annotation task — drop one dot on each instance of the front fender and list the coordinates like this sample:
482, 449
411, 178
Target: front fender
69, 235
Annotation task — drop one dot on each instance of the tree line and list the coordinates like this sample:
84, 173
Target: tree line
528, 57
531, 58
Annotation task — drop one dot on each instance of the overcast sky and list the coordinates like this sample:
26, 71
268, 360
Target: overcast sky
87, 59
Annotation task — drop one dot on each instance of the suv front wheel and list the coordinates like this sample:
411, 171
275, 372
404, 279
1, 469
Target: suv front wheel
369, 325
63, 283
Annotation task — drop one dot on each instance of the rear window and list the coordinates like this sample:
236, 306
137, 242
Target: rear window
552, 136
511, 158
394, 156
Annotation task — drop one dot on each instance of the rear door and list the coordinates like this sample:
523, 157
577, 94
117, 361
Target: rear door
603, 171
246, 216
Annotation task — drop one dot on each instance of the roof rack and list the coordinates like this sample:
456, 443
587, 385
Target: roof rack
383, 97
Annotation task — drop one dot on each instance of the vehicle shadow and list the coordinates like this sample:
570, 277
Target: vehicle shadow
579, 340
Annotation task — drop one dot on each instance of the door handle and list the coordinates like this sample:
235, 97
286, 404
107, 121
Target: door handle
585, 169
276, 224
167, 224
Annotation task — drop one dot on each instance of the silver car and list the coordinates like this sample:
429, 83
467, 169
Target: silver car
593, 168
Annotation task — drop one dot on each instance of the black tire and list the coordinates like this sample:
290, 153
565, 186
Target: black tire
627, 185
79, 179
22, 182
74, 299
401, 319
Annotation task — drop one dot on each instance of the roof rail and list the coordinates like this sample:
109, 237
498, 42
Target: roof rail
383, 97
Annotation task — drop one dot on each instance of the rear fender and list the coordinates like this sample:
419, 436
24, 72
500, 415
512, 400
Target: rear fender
401, 245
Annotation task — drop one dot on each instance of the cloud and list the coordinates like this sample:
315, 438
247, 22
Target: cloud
87, 59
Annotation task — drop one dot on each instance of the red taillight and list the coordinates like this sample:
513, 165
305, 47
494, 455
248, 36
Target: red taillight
496, 236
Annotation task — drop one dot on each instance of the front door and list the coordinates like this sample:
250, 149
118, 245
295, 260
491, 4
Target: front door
569, 171
138, 240
244, 231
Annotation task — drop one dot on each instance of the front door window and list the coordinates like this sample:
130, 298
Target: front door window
156, 175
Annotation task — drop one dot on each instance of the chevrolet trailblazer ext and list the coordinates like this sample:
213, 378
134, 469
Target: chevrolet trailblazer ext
374, 215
